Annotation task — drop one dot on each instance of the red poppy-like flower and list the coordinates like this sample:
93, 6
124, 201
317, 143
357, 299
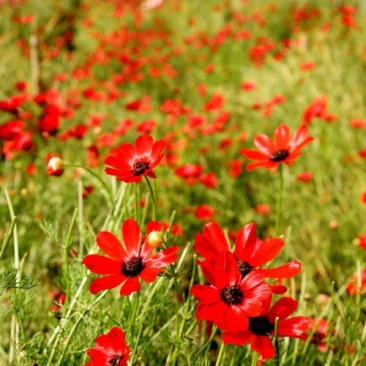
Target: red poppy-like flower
111, 349
357, 284
319, 330
130, 163
283, 149
261, 327
250, 252
230, 299
127, 263
362, 241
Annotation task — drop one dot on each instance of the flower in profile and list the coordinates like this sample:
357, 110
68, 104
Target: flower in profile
127, 264
230, 299
250, 252
111, 349
282, 149
261, 327
129, 163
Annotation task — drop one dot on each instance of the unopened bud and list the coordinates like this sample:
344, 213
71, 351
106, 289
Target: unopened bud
155, 238
55, 166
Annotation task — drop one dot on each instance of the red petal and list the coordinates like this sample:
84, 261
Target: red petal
101, 265
205, 294
150, 274
212, 244
294, 327
264, 144
254, 154
106, 283
287, 270
131, 285
237, 338
266, 251
215, 274
111, 245
264, 346
131, 237
282, 308
144, 145
282, 137
235, 319
163, 258
245, 242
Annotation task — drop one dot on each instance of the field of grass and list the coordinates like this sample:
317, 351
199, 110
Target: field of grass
82, 80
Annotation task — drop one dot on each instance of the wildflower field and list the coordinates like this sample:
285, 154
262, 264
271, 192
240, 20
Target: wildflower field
183, 182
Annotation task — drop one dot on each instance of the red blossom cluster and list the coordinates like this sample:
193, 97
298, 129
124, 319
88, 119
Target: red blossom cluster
238, 299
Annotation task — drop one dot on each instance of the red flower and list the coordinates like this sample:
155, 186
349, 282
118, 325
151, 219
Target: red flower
250, 252
111, 349
129, 163
263, 326
282, 149
230, 299
127, 263
362, 241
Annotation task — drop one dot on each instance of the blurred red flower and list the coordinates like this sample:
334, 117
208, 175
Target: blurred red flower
283, 149
111, 349
130, 163
125, 264
357, 284
261, 327
230, 299
362, 241
204, 212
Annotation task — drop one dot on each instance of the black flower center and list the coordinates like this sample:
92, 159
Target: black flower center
260, 326
244, 267
279, 155
140, 167
132, 267
115, 360
232, 295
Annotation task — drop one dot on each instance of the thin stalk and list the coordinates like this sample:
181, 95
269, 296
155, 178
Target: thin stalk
279, 200
66, 255
152, 198
276, 343
221, 353
14, 330
73, 329
255, 359
7, 237
136, 301
100, 180
206, 345
81, 218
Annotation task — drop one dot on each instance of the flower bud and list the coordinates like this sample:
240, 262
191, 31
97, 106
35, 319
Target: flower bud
55, 166
155, 238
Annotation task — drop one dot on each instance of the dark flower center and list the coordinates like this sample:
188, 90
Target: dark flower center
244, 267
116, 360
132, 267
279, 155
140, 167
232, 295
260, 326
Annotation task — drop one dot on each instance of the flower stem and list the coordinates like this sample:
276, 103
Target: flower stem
277, 344
136, 300
153, 198
221, 352
207, 344
279, 200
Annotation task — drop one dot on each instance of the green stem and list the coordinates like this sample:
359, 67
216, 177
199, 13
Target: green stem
277, 343
255, 359
152, 198
279, 200
8, 236
206, 345
66, 256
221, 352
136, 300
100, 180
